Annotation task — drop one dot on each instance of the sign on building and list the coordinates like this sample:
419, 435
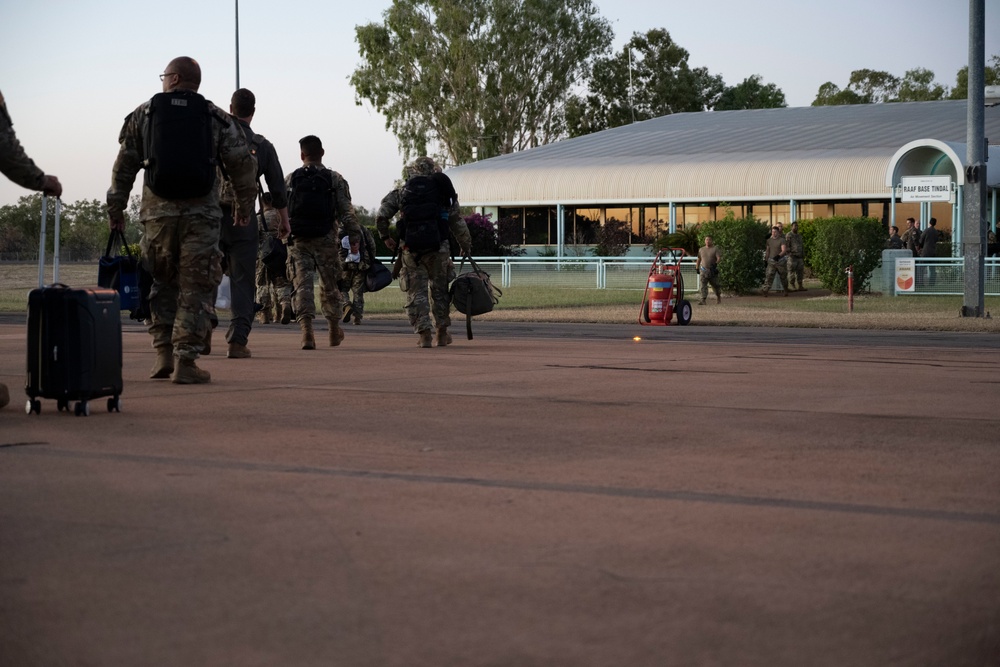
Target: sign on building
925, 188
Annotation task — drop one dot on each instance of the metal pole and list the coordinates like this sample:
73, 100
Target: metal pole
237, 44
974, 220
41, 243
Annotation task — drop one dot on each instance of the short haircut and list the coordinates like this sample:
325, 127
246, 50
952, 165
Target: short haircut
243, 103
933, 222
894, 228
188, 70
776, 228
311, 146
910, 220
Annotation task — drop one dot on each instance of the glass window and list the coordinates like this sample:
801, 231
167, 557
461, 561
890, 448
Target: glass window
582, 228
517, 215
536, 226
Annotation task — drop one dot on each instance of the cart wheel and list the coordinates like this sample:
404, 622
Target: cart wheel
82, 409
33, 405
115, 404
645, 311
684, 312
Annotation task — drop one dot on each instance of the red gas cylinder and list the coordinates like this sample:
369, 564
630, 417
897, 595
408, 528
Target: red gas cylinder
661, 297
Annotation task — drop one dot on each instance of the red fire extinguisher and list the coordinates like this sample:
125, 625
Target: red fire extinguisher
660, 297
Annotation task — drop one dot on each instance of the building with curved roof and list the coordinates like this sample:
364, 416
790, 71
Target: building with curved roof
778, 164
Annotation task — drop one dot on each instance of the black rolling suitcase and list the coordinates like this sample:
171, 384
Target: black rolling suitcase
74, 342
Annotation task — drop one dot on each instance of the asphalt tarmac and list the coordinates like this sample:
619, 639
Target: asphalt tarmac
541, 495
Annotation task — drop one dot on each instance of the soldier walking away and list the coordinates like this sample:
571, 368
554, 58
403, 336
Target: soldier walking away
357, 260
179, 137
274, 290
318, 199
240, 244
21, 169
428, 208
796, 258
775, 254
707, 266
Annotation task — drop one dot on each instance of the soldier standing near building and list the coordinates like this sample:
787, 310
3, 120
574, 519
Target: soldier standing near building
894, 242
428, 197
928, 248
21, 169
318, 199
796, 258
707, 266
240, 244
911, 237
179, 137
774, 254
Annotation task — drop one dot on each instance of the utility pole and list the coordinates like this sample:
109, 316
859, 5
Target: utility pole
974, 195
631, 101
237, 44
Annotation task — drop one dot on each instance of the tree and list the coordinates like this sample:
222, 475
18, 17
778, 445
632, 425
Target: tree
751, 94
865, 87
991, 77
84, 229
918, 86
487, 74
662, 82
830, 94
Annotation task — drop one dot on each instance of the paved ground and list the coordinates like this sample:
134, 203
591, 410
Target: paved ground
543, 495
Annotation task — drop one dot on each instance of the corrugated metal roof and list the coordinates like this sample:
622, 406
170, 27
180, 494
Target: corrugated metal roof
806, 153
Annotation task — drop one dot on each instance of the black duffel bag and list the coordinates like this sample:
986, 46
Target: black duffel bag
472, 293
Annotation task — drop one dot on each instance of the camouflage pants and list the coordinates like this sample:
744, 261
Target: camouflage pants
273, 289
707, 278
796, 269
354, 284
182, 254
309, 258
781, 269
423, 277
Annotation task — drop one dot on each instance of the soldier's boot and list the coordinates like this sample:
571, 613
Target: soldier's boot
308, 338
286, 313
426, 339
701, 303
357, 319
443, 337
336, 333
4, 395
186, 372
718, 298
264, 316
163, 367
238, 351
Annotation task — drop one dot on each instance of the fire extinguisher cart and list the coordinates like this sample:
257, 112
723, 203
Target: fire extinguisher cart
664, 294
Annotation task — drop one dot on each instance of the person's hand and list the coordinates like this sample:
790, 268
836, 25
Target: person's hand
116, 221
241, 220
390, 243
284, 226
51, 186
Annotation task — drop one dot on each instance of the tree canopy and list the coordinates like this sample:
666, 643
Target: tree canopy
453, 75
752, 93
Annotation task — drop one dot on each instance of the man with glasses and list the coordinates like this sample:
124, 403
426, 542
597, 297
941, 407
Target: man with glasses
178, 137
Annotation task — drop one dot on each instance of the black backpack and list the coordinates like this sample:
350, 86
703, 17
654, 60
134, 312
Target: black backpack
310, 202
180, 153
422, 220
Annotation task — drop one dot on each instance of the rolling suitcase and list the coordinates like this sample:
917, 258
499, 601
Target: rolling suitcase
74, 341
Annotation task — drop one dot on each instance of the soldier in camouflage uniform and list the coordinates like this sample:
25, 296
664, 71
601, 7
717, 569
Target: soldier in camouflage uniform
774, 255
310, 256
911, 237
180, 241
796, 258
357, 260
426, 273
707, 266
274, 291
21, 169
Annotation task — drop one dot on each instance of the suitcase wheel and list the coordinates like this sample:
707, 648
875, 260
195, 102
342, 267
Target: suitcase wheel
82, 408
33, 405
115, 404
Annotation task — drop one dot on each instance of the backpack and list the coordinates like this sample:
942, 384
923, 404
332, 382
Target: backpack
310, 202
180, 152
422, 220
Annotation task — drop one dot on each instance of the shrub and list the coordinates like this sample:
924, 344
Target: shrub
489, 240
841, 242
687, 237
613, 239
741, 241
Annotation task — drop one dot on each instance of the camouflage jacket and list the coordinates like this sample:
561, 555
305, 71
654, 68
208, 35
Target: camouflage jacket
14, 162
268, 166
341, 203
392, 204
796, 246
231, 152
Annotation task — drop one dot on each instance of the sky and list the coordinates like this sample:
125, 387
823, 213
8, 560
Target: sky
71, 70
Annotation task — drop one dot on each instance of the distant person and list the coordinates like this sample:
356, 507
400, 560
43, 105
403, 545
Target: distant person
707, 266
428, 208
274, 290
21, 169
179, 137
928, 248
894, 242
358, 258
319, 202
775, 254
240, 244
796, 258
911, 237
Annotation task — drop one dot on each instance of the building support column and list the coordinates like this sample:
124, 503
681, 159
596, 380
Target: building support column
673, 218
560, 230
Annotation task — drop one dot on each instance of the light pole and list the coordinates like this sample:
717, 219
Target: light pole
237, 44
974, 222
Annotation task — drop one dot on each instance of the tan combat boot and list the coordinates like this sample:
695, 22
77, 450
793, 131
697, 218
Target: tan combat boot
264, 316
426, 340
336, 333
237, 351
208, 342
286, 313
443, 337
186, 372
164, 365
308, 339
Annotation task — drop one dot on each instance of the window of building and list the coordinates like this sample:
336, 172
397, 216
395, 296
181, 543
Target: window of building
581, 229
536, 226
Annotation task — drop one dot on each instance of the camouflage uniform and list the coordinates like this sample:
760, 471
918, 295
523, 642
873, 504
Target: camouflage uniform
426, 273
355, 274
180, 241
774, 265
14, 162
309, 257
273, 290
796, 256
708, 271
